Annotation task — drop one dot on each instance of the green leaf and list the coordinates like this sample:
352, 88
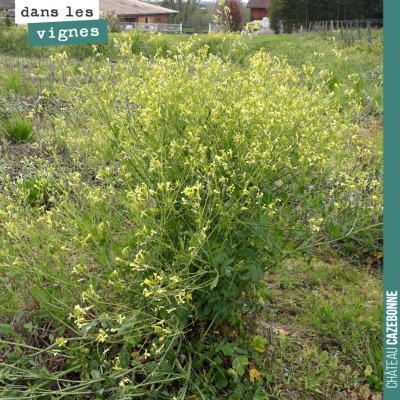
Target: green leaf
7, 329
243, 360
335, 232
170, 355
324, 357
12, 394
214, 283
109, 381
127, 325
259, 344
12, 272
252, 225
88, 328
172, 223
95, 374
228, 351
165, 367
117, 249
109, 155
234, 374
228, 262
220, 380
267, 197
256, 273
152, 366
183, 315
37, 294
248, 254
12, 357
124, 359
240, 370
29, 326
349, 246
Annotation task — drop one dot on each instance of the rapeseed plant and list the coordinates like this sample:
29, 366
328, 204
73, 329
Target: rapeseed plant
217, 170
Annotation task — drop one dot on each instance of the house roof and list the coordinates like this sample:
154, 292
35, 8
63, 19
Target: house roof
255, 4
133, 8
9, 4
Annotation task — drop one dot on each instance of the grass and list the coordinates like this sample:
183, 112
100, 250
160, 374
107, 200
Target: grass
341, 304
329, 307
12, 83
131, 268
303, 48
18, 130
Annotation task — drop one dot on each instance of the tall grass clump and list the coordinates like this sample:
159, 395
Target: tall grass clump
12, 83
19, 129
209, 174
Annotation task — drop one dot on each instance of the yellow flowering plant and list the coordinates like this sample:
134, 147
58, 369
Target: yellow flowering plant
189, 175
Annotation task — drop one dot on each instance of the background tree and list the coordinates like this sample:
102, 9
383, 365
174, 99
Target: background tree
295, 12
186, 8
234, 16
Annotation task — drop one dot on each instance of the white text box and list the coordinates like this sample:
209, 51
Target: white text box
32, 11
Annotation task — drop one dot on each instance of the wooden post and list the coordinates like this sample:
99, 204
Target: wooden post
331, 30
309, 29
347, 30
352, 34
341, 29
359, 31
369, 35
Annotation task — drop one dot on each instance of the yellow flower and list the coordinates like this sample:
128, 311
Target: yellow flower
61, 342
102, 336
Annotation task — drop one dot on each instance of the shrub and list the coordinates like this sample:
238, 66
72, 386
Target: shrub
19, 130
114, 21
14, 39
8, 22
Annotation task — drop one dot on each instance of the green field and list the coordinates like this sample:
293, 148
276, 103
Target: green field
191, 217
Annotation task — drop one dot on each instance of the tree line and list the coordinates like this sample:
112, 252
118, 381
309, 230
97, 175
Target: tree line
292, 12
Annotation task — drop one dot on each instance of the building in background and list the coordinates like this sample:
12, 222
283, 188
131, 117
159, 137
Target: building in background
7, 5
133, 10
258, 9
137, 11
